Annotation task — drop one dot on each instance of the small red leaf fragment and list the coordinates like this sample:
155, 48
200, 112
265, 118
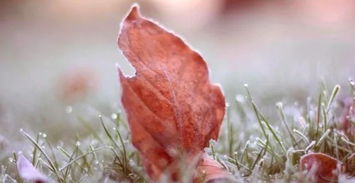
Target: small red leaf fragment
28, 172
172, 108
324, 167
211, 170
348, 117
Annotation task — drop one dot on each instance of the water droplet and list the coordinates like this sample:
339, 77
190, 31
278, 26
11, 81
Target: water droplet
240, 98
44, 135
227, 104
279, 104
77, 143
114, 116
69, 109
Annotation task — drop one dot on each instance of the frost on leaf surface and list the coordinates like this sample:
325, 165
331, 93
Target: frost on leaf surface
172, 108
322, 166
28, 172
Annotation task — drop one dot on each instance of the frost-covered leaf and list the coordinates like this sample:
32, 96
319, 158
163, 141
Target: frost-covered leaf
172, 107
28, 172
211, 170
347, 119
323, 167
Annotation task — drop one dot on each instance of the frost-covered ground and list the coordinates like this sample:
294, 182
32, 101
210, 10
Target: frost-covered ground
283, 57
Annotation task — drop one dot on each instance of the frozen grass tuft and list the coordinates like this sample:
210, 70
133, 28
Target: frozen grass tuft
252, 146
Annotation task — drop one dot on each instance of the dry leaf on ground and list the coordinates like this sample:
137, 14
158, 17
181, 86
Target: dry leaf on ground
323, 167
172, 107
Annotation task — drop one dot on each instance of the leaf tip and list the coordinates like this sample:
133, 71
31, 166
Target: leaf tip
133, 13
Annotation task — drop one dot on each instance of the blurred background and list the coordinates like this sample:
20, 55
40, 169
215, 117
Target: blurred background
57, 58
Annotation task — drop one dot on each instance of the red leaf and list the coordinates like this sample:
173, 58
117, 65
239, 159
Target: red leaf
323, 166
347, 117
211, 170
170, 103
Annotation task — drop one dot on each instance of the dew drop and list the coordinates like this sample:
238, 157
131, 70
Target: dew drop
279, 104
68, 109
114, 116
240, 98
